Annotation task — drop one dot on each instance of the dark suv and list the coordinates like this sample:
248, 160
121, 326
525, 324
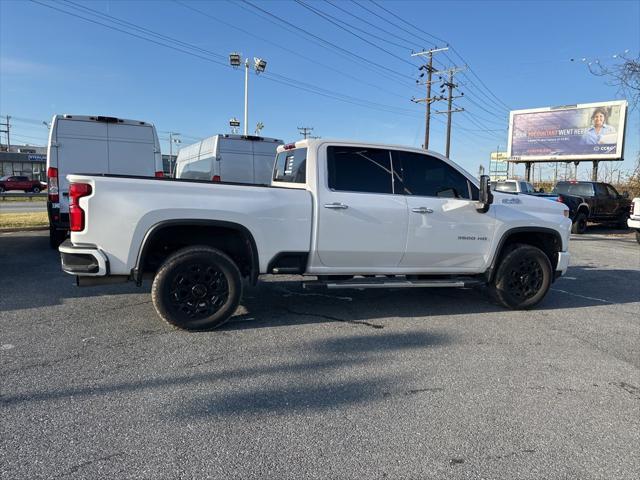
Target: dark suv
593, 202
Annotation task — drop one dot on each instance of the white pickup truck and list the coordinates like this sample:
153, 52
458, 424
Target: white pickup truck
353, 215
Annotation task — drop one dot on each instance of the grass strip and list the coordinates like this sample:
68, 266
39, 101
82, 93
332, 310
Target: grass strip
23, 220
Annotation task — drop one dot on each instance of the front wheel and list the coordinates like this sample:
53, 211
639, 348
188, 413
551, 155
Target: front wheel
523, 277
197, 288
36, 190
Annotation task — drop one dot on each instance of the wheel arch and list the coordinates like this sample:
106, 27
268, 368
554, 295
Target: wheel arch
546, 239
199, 231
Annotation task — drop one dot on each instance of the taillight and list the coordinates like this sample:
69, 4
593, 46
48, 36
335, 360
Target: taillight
290, 146
216, 178
159, 174
52, 185
560, 199
76, 214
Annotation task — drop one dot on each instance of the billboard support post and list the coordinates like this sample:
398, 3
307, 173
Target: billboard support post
594, 172
527, 171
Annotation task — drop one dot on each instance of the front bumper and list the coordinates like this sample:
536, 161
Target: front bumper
563, 263
632, 223
83, 261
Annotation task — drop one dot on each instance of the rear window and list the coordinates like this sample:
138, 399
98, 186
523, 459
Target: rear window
291, 166
506, 187
578, 189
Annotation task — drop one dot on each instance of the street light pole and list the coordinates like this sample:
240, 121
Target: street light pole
246, 96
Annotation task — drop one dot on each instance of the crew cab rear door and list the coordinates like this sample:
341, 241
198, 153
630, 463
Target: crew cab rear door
445, 231
361, 223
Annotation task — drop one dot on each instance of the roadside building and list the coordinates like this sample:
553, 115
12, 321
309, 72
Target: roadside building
27, 160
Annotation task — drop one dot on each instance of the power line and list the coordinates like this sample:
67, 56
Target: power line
326, 42
334, 21
286, 49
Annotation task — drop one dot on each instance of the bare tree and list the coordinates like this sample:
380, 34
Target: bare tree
623, 73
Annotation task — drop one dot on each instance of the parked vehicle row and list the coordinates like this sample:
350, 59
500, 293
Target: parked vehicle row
587, 201
354, 215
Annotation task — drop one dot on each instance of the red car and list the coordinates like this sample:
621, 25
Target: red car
15, 182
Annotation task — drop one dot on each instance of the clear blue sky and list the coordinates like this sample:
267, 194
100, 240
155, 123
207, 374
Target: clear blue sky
51, 62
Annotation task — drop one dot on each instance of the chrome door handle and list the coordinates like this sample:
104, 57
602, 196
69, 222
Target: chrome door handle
336, 206
422, 210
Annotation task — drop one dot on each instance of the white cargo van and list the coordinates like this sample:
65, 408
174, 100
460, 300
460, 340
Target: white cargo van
229, 158
95, 144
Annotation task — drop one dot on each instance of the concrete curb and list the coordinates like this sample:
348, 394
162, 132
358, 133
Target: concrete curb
23, 229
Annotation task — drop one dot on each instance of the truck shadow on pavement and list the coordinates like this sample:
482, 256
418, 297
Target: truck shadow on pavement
315, 385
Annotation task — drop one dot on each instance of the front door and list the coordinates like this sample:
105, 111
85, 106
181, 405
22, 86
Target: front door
361, 223
445, 231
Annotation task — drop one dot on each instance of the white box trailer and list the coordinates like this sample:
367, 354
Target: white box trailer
229, 158
95, 144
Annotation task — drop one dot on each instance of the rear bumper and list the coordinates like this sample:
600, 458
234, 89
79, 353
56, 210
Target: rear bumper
83, 261
563, 263
633, 223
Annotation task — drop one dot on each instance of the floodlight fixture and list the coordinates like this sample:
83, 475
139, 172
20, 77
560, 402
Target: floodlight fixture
235, 59
260, 64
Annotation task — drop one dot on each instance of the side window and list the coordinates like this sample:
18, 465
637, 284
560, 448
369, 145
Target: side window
291, 166
355, 169
428, 176
601, 191
612, 191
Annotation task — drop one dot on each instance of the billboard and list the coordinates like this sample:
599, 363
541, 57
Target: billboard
588, 131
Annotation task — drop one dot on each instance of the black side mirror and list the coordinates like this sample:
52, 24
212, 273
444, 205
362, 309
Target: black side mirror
486, 197
625, 194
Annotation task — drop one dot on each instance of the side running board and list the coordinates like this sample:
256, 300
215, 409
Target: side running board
401, 282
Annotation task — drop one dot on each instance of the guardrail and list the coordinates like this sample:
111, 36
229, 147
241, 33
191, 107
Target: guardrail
4, 196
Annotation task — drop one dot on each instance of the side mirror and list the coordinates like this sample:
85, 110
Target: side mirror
625, 194
541, 190
486, 197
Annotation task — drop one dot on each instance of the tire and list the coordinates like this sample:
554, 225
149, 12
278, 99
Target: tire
36, 190
197, 288
523, 277
56, 237
621, 224
579, 224
2, 189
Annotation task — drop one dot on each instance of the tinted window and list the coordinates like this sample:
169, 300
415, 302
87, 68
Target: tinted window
578, 189
198, 170
355, 169
601, 191
612, 191
506, 187
291, 166
428, 176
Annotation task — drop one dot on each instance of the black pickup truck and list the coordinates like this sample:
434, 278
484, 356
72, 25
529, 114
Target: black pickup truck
592, 202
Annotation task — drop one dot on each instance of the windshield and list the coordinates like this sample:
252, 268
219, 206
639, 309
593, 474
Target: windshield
578, 189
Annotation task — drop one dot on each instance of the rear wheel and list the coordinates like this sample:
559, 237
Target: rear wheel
523, 277
197, 288
579, 225
36, 190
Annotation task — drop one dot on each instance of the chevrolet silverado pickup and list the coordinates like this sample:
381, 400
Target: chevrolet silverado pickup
342, 214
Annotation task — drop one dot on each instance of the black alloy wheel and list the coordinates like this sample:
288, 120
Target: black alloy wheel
523, 277
197, 288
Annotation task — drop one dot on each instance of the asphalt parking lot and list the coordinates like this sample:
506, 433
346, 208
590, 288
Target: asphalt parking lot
409, 384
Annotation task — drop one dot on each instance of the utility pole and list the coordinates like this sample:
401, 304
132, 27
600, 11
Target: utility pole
428, 100
172, 165
8, 126
450, 85
305, 131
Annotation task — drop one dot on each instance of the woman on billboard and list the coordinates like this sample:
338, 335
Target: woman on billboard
599, 132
